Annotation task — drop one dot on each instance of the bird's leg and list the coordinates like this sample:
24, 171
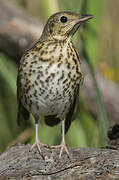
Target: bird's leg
37, 141
63, 144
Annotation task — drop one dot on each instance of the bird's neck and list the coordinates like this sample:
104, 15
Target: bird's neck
55, 38
55, 47
61, 38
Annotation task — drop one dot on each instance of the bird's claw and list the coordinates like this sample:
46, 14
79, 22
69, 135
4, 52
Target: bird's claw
63, 147
36, 144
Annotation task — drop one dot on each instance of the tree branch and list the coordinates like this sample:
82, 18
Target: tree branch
18, 29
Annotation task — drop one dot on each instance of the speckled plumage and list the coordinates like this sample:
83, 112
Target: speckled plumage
49, 75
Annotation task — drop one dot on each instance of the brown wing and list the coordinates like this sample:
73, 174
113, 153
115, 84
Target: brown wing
22, 111
70, 114
73, 108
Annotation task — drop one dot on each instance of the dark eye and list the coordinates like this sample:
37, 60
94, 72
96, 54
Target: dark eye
63, 19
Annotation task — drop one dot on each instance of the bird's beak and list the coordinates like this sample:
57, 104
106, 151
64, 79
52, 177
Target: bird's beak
85, 17
76, 22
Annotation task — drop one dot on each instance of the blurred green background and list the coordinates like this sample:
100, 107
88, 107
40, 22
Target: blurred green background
98, 44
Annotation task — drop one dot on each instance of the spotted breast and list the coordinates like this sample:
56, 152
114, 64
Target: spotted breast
51, 78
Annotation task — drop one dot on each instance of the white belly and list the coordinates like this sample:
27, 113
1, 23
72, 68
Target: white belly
52, 95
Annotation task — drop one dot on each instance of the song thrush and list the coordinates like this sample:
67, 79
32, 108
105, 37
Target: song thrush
49, 75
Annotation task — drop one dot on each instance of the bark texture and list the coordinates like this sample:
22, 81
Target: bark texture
18, 162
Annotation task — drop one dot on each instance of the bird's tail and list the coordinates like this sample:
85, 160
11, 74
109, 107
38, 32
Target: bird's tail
51, 120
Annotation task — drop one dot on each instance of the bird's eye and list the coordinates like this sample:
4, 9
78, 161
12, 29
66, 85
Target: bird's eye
63, 19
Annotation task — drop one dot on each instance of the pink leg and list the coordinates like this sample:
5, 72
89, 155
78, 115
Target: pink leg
37, 143
62, 145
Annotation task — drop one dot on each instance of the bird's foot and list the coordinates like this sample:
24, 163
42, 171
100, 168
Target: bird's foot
63, 147
38, 144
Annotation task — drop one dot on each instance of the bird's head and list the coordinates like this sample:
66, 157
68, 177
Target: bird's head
63, 24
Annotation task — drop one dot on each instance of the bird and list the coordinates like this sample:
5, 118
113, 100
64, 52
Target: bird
50, 76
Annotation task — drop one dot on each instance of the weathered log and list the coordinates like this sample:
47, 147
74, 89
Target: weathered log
18, 162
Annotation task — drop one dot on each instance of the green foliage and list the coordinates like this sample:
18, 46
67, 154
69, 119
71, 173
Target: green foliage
89, 33
89, 52
8, 126
49, 7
